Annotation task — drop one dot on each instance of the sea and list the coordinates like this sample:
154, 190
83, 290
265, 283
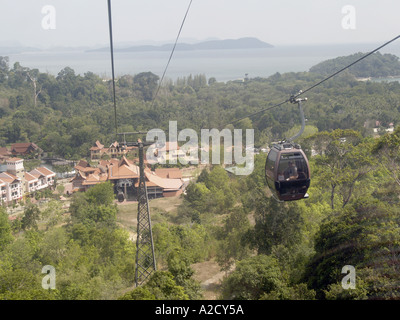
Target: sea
223, 65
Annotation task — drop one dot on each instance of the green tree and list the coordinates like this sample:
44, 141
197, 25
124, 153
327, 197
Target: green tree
5, 229
4, 69
101, 194
198, 196
160, 286
222, 194
387, 149
52, 247
232, 244
203, 176
252, 278
253, 187
179, 266
53, 213
343, 160
276, 224
19, 284
365, 235
95, 206
30, 218
145, 84
140, 293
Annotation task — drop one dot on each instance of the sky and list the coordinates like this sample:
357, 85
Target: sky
77, 23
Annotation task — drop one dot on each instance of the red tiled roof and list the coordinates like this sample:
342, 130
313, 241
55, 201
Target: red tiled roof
171, 173
8, 177
126, 169
122, 169
4, 151
97, 146
88, 169
23, 147
83, 164
123, 172
14, 159
78, 176
94, 179
124, 161
37, 174
45, 171
29, 177
164, 183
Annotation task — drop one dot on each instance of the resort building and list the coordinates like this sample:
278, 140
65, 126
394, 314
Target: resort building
99, 152
25, 149
124, 175
16, 183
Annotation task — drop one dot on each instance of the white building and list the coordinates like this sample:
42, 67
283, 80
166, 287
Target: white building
15, 183
45, 177
3, 192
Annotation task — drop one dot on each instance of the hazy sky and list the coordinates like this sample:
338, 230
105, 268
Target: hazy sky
85, 22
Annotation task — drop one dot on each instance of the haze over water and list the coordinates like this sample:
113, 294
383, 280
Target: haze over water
224, 65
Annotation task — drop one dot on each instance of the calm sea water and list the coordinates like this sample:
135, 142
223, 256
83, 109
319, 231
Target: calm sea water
224, 65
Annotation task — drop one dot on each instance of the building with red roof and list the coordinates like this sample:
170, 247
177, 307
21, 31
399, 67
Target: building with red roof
99, 152
124, 174
16, 183
25, 148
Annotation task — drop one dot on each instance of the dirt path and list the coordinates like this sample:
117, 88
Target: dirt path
210, 275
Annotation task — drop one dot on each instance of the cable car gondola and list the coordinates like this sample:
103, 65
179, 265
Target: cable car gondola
287, 170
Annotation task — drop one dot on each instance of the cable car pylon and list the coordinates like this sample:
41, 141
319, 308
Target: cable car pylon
287, 170
145, 258
303, 121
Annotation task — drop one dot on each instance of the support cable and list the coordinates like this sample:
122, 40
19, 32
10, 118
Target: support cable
318, 83
172, 52
112, 65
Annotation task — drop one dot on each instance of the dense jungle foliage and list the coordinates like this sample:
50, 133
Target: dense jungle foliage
269, 250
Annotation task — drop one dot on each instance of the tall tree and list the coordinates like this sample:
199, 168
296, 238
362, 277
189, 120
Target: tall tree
387, 148
4, 69
145, 83
252, 278
365, 235
5, 229
342, 160
276, 224
30, 218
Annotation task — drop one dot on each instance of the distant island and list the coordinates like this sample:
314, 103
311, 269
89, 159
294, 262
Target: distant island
228, 44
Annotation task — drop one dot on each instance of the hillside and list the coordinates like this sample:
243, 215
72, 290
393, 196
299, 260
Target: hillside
376, 65
225, 237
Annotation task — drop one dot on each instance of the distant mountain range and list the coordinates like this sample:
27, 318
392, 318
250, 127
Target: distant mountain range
228, 44
242, 43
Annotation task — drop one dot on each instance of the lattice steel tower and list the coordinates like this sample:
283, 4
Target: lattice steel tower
145, 258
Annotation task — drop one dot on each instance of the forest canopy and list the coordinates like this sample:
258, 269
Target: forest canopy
376, 65
268, 250
65, 114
